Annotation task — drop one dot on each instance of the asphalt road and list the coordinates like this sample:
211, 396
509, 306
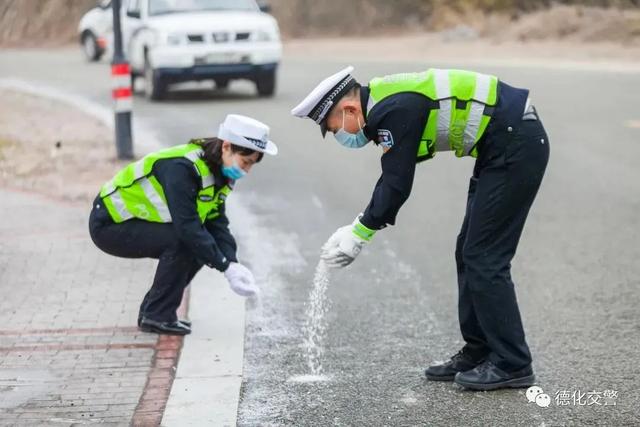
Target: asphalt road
394, 310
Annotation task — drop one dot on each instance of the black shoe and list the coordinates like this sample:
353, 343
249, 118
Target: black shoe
186, 323
488, 376
446, 371
167, 328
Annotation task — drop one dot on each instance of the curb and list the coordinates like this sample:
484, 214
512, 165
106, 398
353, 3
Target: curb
206, 388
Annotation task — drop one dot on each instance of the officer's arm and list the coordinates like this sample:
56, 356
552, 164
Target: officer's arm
219, 229
400, 130
181, 185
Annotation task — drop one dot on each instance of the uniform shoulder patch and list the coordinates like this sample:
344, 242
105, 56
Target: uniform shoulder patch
385, 138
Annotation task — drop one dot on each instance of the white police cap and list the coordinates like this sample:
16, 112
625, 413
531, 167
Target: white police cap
247, 132
324, 96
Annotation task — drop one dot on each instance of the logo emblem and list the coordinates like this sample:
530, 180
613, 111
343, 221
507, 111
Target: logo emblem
142, 211
536, 395
385, 138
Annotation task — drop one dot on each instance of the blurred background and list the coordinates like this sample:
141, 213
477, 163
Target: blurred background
53, 22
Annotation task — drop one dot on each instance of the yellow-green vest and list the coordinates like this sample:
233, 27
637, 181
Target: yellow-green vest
134, 192
462, 116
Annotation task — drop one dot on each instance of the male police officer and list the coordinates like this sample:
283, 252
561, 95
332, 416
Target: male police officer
412, 117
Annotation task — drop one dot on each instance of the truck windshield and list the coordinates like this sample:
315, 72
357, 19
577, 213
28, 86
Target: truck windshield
162, 7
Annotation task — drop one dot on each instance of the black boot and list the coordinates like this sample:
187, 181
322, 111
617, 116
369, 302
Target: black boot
446, 371
488, 376
167, 328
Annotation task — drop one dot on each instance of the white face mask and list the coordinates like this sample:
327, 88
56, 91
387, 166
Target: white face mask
351, 140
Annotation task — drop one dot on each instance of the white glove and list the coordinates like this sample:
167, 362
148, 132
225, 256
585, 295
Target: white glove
345, 244
241, 280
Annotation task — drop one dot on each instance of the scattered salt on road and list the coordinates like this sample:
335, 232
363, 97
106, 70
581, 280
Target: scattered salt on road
315, 323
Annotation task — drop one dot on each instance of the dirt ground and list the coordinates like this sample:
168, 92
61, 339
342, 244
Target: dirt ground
53, 149
450, 48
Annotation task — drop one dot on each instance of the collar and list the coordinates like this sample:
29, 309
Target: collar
364, 104
364, 100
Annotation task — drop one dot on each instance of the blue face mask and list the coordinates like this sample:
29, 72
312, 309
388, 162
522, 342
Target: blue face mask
351, 140
233, 172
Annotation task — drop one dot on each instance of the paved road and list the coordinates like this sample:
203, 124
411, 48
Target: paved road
394, 310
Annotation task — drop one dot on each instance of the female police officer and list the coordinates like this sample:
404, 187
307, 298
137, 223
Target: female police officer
170, 206
413, 116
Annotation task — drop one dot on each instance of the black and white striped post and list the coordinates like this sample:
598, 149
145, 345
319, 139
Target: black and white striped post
121, 89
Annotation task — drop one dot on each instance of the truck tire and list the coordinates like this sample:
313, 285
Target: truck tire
155, 87
222, 84
266, 83
90, 47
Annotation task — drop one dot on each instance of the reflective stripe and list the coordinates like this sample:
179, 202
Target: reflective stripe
193, 155
444, 121
118, 203
472, 127
155, 199
123, 105
118, 81
483, 83
207, 181
443, 90
138, 169
109, 188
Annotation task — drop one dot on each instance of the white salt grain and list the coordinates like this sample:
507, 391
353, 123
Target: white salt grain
315, 323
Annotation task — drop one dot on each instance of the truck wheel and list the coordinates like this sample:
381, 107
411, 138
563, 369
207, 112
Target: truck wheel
155, 87
266, 83
222, 84
90, 47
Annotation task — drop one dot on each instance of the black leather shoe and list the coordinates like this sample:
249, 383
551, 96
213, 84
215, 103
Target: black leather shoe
186, 323
446, 371
488, 376
167, 328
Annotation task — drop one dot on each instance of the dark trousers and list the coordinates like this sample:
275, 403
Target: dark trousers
141, 239
505, 181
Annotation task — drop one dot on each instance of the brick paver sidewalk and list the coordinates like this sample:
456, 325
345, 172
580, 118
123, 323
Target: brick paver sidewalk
70, 351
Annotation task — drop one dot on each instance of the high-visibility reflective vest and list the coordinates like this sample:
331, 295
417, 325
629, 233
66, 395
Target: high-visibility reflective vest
134, 192
464, 103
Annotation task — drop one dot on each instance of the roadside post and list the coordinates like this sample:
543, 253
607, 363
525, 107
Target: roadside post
121, 89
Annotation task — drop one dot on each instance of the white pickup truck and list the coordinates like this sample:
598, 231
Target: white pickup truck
171, 41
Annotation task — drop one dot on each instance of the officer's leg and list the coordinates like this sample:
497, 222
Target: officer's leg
134, 238
475, 341
176, 268
475, 348
506, 188
142, 239
194, 270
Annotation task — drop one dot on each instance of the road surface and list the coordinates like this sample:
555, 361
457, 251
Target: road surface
394, 310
